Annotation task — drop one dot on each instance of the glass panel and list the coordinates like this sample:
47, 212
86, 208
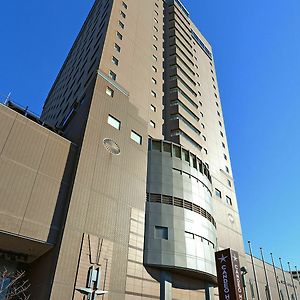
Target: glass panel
176, 151
114, 122
136, 137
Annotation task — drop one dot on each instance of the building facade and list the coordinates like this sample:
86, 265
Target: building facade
123, 189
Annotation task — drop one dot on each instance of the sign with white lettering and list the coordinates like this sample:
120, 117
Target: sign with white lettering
229, 275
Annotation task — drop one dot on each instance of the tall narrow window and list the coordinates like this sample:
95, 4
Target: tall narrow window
136, 137
218, 193
115, 61
109, 91
114, 122
112, 75
119, 35
117, 48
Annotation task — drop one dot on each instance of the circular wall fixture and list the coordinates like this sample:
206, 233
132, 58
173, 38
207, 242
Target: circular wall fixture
231, 218
111, 146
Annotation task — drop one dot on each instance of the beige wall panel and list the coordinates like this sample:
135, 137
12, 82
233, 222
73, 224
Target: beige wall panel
15, 187
7, 119
41, 208
55, 156
101, 216
26, 143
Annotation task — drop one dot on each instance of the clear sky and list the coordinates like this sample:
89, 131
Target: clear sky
257, 52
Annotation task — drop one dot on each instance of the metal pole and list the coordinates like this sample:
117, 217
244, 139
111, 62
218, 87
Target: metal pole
7, 98
292, 281
254, 272
276, 278
286, 287
297, 276
266, 274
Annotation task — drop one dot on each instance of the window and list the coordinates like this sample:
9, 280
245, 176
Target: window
152, 124
220, 123
228, 200
155, 28
124, 5
112, 75
119, 35
114, 122
153, 108
154, 47
136, 137
202, 125
217, 104
109, 91
227, 169
154, 69
221, 133
204, 137
115, 61
205, 150
229, 183
218, 193
216, 95
154, 80
155, 37
218, 113
161, 232
153, 94
223, 145
154, 57
155, 20
121, 25
225, 156
117, 48
122, 14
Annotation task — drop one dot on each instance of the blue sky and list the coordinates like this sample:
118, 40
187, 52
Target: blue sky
256, 48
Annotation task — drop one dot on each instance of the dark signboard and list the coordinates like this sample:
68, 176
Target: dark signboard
229, 275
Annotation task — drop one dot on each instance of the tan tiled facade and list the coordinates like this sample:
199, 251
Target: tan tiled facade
123, 190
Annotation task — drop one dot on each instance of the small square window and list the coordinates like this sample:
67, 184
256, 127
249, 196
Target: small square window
115, 61
153, 108
121, 25
155, 28
155, 37
228, 200
136, 137
155, 20
218, 193
112, 75
109, 91
124, 5
153, 94
114, 122
154, 69
117, 48
152, 124
161, 232
119, 35
154, 47
122, 14
154, 80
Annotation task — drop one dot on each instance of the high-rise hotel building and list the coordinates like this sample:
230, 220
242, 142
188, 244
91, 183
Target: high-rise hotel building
123, 189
